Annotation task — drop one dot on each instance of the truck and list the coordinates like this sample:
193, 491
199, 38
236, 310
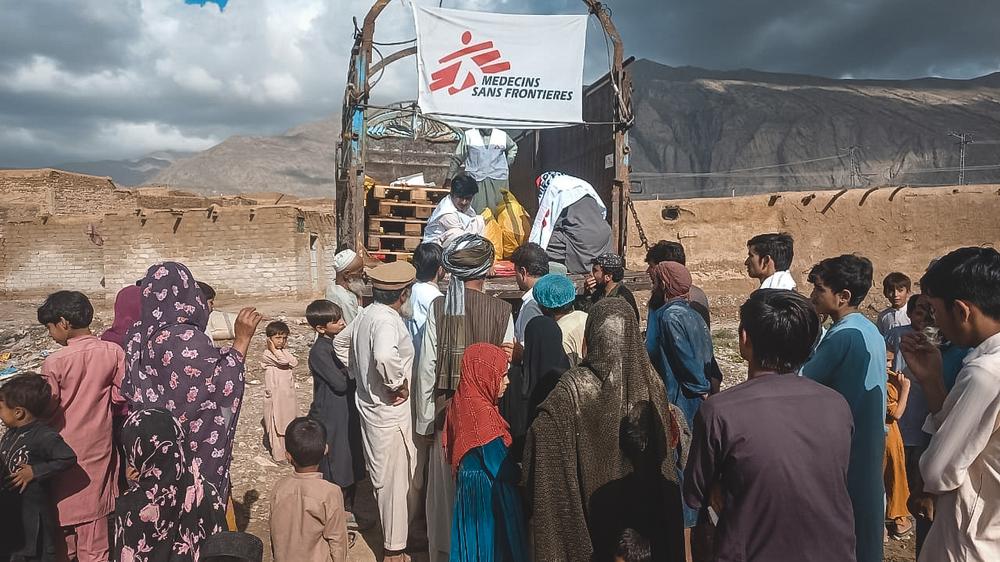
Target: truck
380, 143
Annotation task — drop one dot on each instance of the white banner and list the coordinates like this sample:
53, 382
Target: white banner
500, 70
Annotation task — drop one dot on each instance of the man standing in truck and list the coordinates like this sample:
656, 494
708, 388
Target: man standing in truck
486, 155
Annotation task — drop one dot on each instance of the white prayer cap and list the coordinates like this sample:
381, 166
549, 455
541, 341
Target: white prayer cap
348, 260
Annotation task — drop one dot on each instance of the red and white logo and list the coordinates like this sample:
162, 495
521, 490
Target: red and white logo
465, 64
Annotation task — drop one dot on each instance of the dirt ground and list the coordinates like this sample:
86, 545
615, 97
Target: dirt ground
253, 472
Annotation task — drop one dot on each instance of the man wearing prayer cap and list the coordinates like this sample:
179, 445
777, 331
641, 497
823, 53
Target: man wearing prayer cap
571, 223
556, 294
606, 274
381, 361
464, 316
346, 289
454, 215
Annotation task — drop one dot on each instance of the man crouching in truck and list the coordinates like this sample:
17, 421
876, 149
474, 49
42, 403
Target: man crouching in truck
571, 222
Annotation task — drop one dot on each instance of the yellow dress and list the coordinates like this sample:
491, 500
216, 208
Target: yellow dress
894, 462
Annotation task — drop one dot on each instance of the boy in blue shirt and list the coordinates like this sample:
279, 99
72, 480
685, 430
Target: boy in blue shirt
851, 359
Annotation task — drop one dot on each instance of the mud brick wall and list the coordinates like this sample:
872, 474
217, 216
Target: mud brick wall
240, 251
62, 193
899, 229
259, 252
41, 256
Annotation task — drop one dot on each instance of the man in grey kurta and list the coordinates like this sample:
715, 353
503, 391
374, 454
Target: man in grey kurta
486, 155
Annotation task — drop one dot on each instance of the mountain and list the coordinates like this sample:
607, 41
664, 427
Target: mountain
128, 172
704, 132
298, 162
708, 133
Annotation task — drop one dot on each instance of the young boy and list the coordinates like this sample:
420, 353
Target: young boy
30, 454
308, 521
333, 400
85, 377
959, 466
279, 388
851, 359
896, 288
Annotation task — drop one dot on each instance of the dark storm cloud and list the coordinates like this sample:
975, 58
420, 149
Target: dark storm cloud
859, 38
94, 79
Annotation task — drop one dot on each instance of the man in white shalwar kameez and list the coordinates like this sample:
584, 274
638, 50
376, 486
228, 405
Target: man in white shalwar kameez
381, 361
348, 285
454, 215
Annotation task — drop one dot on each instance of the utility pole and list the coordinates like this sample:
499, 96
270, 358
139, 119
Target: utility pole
963, 139
857, 177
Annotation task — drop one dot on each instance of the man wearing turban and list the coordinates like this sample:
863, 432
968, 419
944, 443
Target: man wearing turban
346, 289
682, 353
464, 316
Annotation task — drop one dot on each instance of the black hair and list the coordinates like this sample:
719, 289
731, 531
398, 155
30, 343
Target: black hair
29, 391
633, 547
386, 296
967, 274
206, 290
427, 261
73, 306
779, 247
849, 271
616, 273
896, 280
911, 303
564, 309
322, 312
782, 327
531, 257
665, 250
464, 185
305, 441
277, 327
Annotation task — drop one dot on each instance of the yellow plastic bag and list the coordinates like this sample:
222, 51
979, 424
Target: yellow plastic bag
509, 228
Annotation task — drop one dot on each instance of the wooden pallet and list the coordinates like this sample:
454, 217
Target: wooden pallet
393, 225
389, 257
393, 242
413, 194
398, 209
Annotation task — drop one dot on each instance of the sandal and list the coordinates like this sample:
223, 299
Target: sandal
904, 534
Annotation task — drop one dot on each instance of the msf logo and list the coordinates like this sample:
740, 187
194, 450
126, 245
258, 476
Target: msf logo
465, 64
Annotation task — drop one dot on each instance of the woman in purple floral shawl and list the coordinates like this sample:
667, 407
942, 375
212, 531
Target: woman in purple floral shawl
170, 509
173, 365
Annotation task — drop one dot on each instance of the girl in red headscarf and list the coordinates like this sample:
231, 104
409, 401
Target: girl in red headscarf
488, 522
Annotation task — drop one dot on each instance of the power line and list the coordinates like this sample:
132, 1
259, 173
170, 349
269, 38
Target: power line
963, 140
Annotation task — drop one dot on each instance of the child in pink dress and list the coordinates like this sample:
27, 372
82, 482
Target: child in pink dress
279, 388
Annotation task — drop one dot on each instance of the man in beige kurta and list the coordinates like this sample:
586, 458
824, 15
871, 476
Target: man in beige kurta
381, 361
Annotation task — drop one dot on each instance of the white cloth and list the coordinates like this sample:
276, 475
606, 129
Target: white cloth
780, 280
892, 318
344, 259
529, 310
573, 326
962, 463
440, 502
345, 299
448, 223
425, 375
381, 360
421, 296
563, 191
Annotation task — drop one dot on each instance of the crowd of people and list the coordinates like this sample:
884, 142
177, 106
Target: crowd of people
557, 431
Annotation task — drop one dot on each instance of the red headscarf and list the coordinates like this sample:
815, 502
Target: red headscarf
673, 279
473, 419
128, 308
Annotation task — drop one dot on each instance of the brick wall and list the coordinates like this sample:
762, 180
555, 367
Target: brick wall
63, 193
241, 251
40, 256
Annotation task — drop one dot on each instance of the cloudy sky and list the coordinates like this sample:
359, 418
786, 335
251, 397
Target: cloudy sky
110, 79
